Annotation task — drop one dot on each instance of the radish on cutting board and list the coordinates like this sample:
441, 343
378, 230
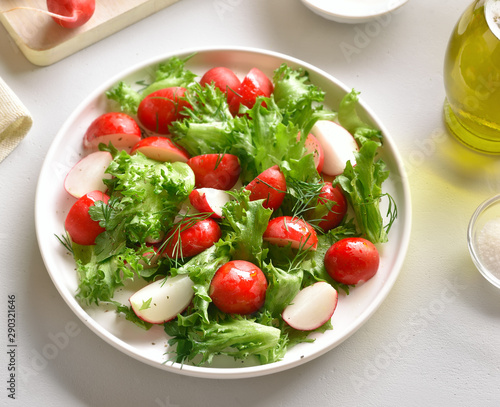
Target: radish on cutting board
71, 13
312, 307
209, 200
163, 300
66, 13
115, 127
338, 146
160, 149
87, 174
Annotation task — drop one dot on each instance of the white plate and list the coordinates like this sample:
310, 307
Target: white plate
353, 11
53, 203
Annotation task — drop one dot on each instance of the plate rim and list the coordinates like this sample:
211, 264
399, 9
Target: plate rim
207, 371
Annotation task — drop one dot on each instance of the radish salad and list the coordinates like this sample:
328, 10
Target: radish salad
243, 204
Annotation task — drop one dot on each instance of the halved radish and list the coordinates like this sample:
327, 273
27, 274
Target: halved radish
118, 128
159, 109
286, 230
312, 307
253, 85
160, 149
314, 147
150, 258
270, 186
186, 239
88, 173
209, 200
223, 78
80, 226
334, 194
338, 145
220, 171
150, 240
163, 300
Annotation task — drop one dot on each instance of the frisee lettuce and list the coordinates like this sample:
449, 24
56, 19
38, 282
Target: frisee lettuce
145, 197
362, 183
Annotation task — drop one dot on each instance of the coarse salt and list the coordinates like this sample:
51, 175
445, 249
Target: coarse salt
488, 243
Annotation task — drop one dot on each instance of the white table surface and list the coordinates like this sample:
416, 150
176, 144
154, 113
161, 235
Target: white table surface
450, 314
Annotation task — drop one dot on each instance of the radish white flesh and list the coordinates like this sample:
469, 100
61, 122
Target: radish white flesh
312, 307
88, 173
160, 149
209, 200
163, 155
163, 300
120, 140
338, 146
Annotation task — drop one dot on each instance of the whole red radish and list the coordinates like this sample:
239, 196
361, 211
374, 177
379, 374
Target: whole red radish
219, 171
186, 240
352, 260
255, 84
270, 186
286, 230
224, 79
78, 11
118, 128
335, 215
159, 109
238, 287
81, 227
160, 149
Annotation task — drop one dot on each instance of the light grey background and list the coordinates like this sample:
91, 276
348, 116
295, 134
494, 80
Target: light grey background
435, 341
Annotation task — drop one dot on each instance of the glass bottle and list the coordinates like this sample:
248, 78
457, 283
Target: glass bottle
472, 77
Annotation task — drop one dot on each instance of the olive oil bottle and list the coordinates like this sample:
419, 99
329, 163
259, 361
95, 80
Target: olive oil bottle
472, 77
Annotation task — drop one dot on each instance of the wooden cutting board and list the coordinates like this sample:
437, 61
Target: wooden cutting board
44, 42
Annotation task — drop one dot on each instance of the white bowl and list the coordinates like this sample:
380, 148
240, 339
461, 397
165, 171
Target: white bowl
353, 11
483, 237
52, 204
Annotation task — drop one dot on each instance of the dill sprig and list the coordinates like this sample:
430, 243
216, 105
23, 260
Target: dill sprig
305, 196
66, 242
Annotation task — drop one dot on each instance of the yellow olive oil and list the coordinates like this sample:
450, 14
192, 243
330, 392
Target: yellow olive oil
472, 78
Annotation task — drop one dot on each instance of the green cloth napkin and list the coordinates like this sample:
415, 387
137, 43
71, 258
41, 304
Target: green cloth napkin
15, 120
